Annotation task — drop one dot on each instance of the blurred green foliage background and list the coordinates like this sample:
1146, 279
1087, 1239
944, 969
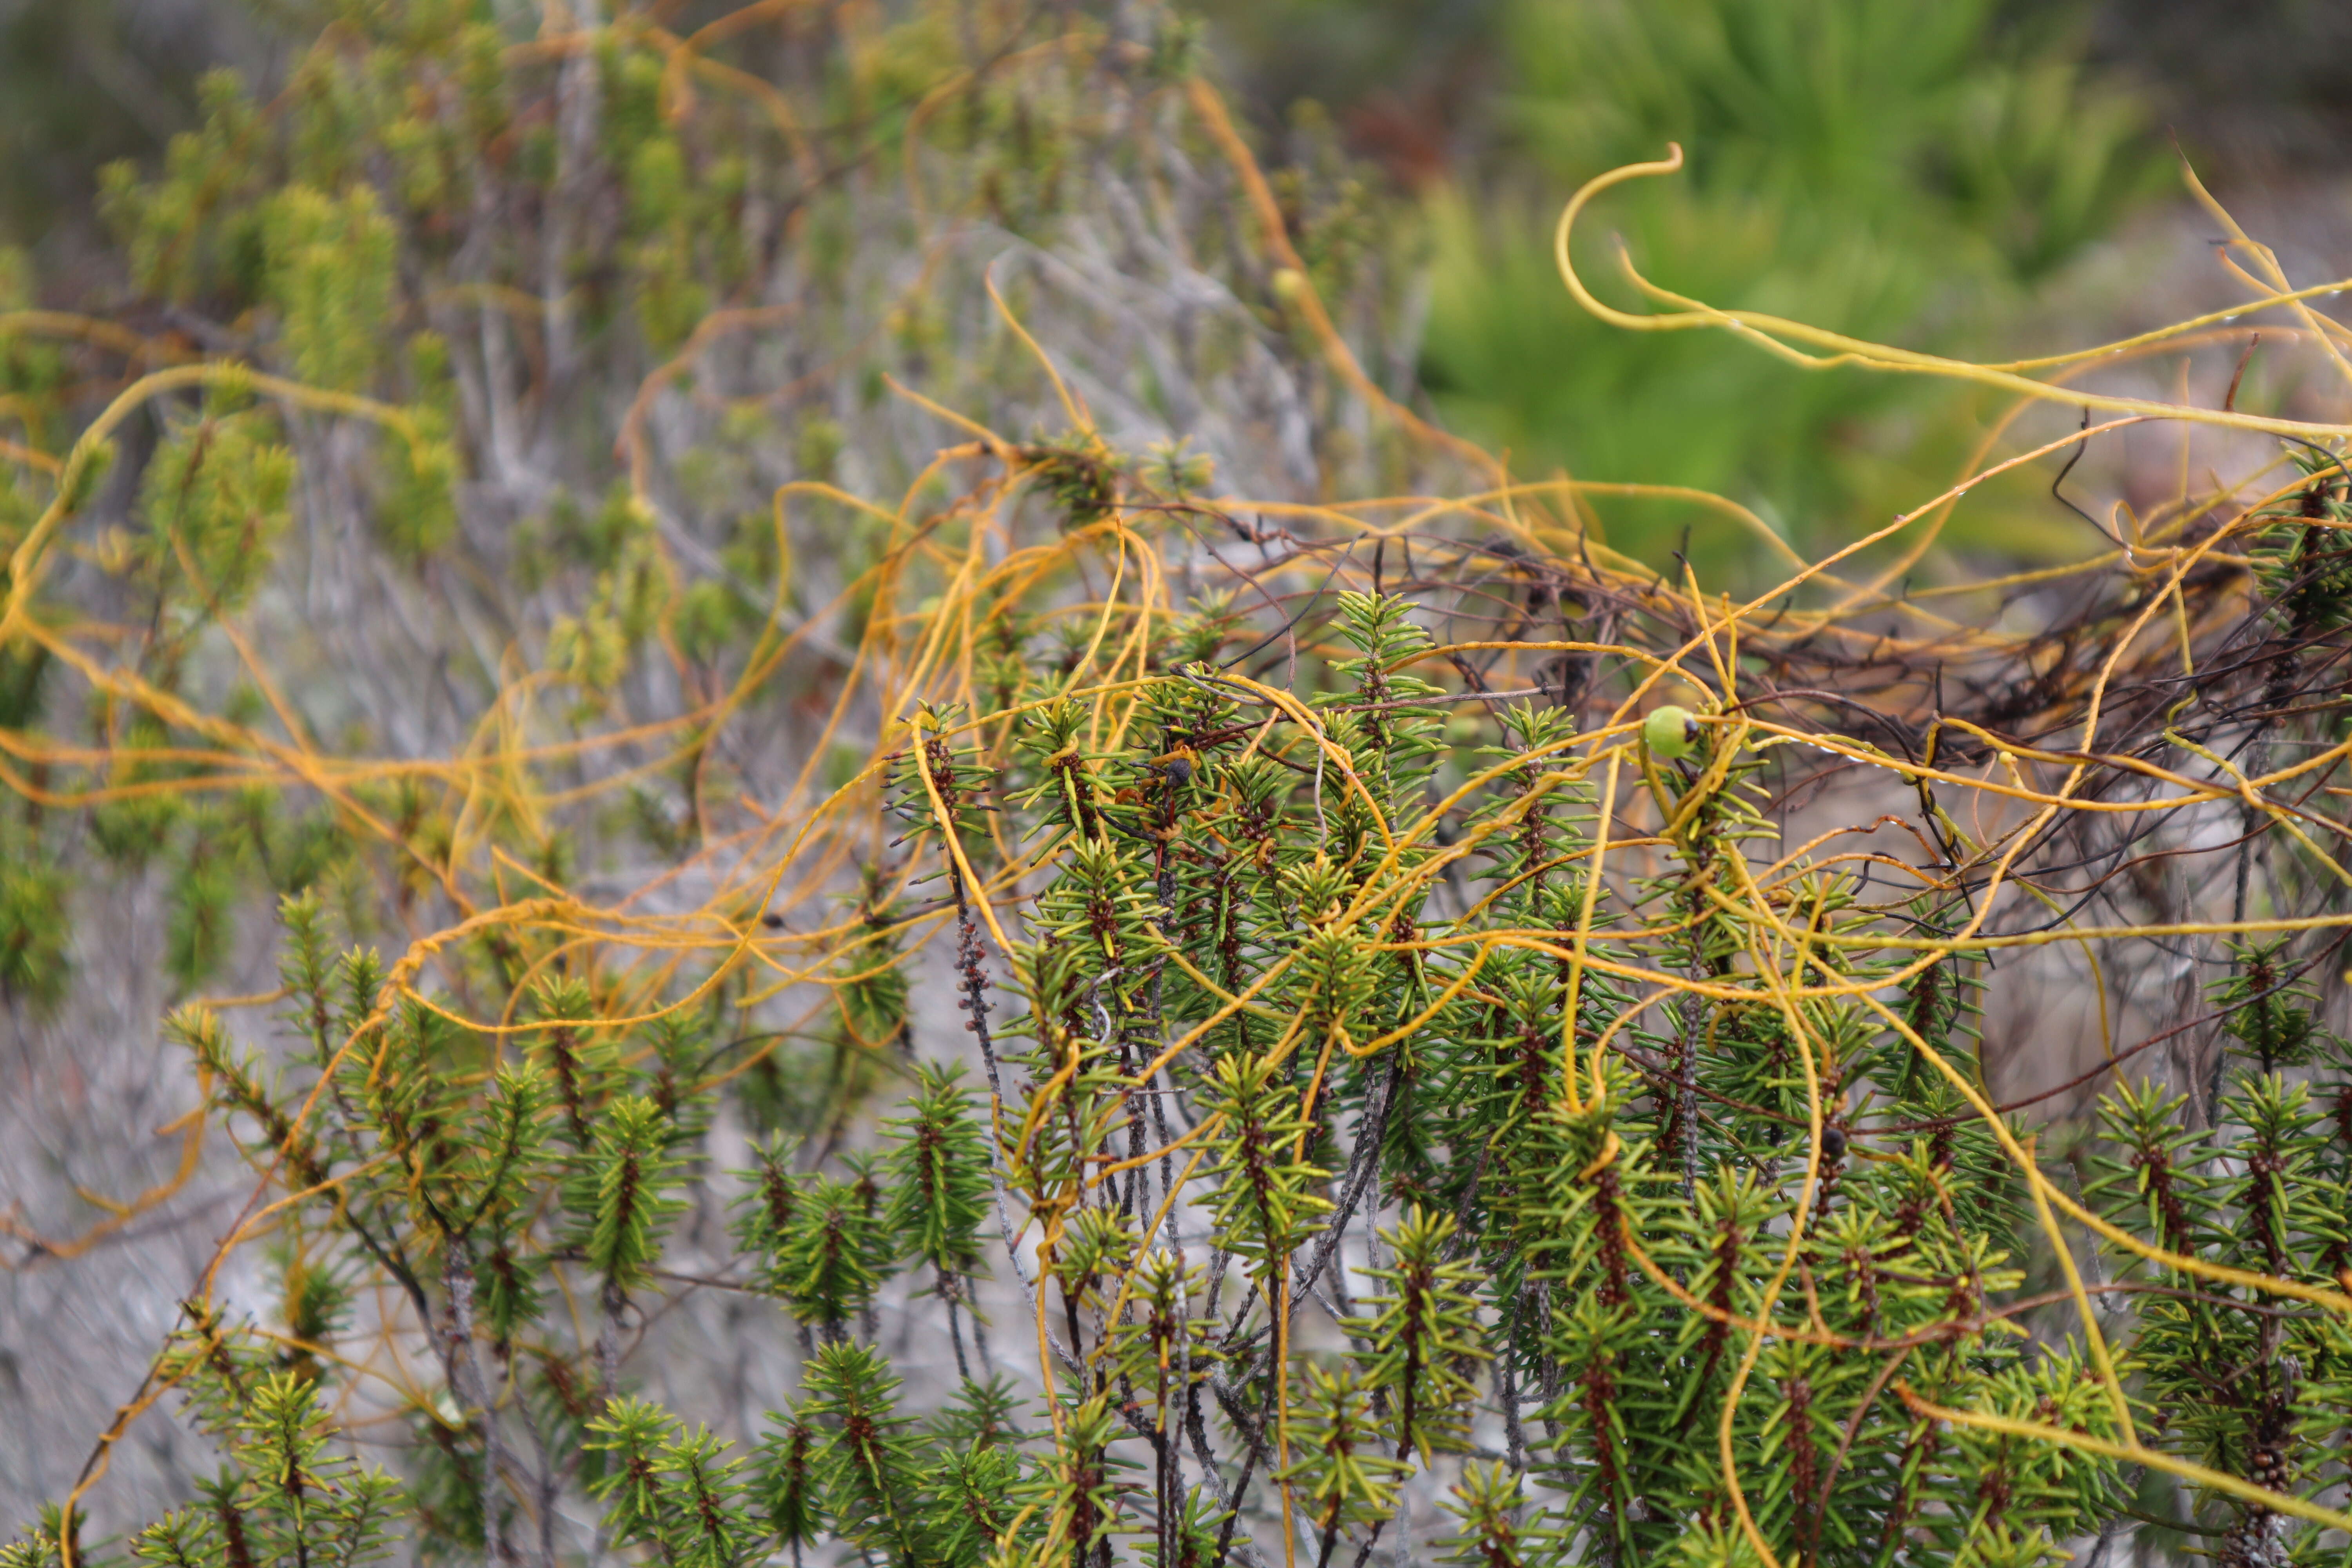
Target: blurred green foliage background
1917, 171
1898, 170
1922, 172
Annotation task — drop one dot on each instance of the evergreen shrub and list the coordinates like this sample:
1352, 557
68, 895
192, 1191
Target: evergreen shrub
1469, 1050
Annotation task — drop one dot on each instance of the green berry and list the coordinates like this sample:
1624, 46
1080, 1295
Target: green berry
1670, 732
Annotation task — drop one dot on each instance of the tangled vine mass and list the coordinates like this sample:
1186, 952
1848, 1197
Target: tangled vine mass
1177, 1013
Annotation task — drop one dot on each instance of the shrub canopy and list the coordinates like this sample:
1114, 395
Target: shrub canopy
1468, 1048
